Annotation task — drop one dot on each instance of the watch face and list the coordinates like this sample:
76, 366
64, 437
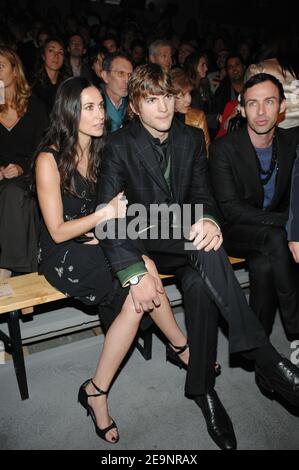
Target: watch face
134, 280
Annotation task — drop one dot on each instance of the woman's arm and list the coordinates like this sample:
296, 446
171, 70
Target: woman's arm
50, 201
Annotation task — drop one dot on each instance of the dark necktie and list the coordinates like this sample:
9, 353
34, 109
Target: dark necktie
162, 153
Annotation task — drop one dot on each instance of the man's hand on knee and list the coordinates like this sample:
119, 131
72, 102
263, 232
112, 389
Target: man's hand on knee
294, 248
152, 269
206, 235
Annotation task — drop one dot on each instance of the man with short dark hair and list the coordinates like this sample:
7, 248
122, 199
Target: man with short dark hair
117, 69
158, 160
77, 50
231, 85
109, 42
184, 50
251, 175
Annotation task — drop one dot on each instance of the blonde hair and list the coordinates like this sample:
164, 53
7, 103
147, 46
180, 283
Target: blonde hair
22, 88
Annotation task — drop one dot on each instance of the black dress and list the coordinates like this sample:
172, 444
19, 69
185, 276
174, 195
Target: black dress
18, 211
46, 92
74, 268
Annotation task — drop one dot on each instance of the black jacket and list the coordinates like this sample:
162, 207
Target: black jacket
293, 222
130, 164
236, 182
223, 95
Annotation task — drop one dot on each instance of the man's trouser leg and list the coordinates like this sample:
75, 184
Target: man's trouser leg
202, 327
218, 287
274, 280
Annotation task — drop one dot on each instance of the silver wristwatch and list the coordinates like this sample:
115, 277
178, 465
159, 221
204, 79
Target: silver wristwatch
135, 280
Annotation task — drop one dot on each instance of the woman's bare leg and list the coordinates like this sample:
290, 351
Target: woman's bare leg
117, 342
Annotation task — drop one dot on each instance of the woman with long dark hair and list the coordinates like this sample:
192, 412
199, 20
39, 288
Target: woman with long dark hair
71, 258
196, 68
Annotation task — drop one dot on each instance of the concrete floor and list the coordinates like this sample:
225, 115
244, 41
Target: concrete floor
146, 401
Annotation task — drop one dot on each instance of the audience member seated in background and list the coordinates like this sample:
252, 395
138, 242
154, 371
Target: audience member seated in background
244, 49
96, 63
77, 50
138, 53
280, 58
52, 71
22, 122
251, 176
183, 111
160, 52
293, 222
110, 43
41, 37
217, 76
231, 85
196, 67
216, 43
67, 167
184, 50
117, 69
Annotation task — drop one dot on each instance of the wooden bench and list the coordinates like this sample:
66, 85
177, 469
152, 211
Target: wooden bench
30, 290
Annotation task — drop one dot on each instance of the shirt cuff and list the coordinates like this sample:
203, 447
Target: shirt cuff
136, 269
211, 219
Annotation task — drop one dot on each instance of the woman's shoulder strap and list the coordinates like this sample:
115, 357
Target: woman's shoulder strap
51, 150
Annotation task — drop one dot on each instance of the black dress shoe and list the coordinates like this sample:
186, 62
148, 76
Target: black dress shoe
219, 424
282, 378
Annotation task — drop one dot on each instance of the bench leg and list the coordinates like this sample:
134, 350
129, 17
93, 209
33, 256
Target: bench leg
17, 352
147, 338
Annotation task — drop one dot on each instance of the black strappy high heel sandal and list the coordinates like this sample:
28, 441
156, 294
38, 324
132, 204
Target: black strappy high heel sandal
173, 355
83, 400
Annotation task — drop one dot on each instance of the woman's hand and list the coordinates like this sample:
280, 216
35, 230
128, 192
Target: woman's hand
117, 207
93, 239
294, 248
12, 171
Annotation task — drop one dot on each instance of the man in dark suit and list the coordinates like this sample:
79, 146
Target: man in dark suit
293, 222
251, 176
158, 160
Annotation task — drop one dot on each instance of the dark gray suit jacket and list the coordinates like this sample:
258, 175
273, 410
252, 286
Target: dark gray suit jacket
130, 164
